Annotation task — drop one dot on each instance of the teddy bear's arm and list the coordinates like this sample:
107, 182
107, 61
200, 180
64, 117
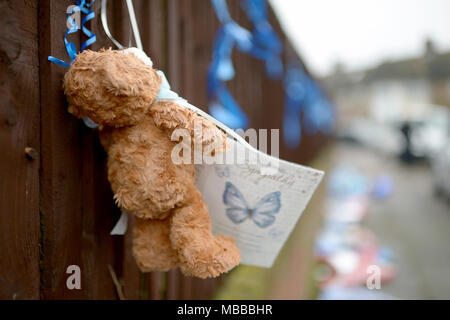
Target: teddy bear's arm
143, 179
170, 116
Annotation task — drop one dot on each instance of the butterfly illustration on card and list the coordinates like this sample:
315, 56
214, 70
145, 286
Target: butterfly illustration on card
222, 172
238, 210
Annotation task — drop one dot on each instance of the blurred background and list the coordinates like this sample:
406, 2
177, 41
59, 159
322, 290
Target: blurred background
384, 205
386, 68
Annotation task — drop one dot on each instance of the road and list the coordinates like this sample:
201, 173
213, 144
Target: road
413, 222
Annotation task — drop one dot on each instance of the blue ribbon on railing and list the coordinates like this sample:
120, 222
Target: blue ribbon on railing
222, 105
263, 44
305, 101
83, 7
295, 87
304, 97
266, 44
319, 117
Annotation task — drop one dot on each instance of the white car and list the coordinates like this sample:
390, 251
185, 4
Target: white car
432, 133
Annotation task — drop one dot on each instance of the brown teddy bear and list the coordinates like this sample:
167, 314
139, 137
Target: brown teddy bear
118, 90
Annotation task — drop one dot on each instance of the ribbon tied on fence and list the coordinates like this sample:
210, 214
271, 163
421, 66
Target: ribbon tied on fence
81, 7
263, 44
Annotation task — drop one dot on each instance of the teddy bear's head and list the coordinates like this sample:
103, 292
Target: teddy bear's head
113, 88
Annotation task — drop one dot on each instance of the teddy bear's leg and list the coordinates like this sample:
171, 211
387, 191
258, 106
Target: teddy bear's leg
151, 245
200, 253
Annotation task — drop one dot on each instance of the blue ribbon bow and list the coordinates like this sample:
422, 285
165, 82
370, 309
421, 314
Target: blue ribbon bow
305, 101
266, 44
262, 44
222, 104
304, 97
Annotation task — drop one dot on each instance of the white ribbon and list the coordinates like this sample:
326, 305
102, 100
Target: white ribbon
133, 21
104, 18
121, 226
134, 25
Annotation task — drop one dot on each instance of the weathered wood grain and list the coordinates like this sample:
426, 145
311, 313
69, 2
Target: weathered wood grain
77, 211
61, 167
19, 129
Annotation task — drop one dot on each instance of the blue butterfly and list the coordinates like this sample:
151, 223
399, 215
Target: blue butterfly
238, 210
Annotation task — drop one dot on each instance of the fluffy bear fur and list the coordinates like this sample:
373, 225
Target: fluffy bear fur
173, 227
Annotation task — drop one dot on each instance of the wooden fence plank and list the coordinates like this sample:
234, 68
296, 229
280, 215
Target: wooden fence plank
125, 265
99, 214
151, 22
131, 275
173, 75
19, 129
61, 170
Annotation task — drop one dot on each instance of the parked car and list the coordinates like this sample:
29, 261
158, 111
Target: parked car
378, 136
431, 134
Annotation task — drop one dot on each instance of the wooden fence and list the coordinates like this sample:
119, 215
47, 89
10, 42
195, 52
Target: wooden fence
56, 207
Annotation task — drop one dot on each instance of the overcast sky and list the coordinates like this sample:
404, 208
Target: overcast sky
362, 33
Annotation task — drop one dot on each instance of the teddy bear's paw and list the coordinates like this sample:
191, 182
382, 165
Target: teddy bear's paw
210, 261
